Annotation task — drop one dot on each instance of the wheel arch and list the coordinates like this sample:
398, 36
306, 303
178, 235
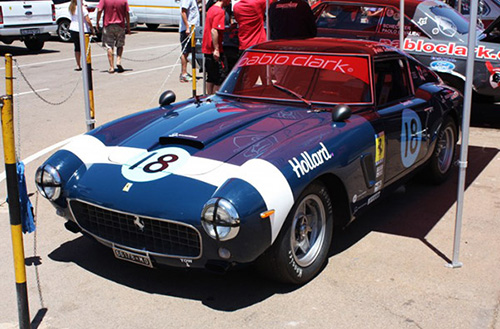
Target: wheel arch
338, 195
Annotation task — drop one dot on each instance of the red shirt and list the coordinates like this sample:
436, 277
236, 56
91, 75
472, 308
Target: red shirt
250, 17
114, 11
214, 20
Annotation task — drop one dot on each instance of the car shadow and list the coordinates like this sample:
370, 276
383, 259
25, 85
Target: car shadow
161, 28
400, 214
230, 291
412, 210
485, 115
18, 49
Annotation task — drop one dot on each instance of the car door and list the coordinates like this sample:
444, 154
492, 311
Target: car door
405, 117
163, 12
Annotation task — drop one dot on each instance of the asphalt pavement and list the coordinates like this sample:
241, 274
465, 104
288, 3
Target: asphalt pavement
386, 270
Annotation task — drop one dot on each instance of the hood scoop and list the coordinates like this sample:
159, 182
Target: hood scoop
179, 139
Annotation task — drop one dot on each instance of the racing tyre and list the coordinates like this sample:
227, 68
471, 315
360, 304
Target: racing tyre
63, 30
152, 26
441, 161
34, 44
301, 249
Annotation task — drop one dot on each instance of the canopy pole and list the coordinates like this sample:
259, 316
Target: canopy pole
401, 24
471, 54
83, 65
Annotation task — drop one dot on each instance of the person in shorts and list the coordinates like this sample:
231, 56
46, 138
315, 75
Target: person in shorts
190, 16
116, 24
211, 46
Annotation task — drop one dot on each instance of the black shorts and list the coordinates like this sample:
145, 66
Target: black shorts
216, 72
75, 37
185, 42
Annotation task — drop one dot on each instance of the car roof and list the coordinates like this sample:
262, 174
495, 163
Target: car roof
328, 45
410, 5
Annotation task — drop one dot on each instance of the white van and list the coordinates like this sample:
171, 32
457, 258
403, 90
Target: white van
156, 12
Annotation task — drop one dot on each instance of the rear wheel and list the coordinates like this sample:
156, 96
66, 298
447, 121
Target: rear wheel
301, 248
63, 30
441, 161
152, 26
34, 44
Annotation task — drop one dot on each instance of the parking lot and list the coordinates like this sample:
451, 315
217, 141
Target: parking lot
386, 270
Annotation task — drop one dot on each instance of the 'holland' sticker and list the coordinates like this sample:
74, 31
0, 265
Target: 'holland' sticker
310, 161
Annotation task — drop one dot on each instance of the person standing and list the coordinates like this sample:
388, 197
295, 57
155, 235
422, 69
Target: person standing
211, 46
250, 15
116, 24
190, 16
74, 29
291, 19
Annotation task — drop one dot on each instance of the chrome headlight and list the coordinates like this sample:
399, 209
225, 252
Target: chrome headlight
220, 219
48, 182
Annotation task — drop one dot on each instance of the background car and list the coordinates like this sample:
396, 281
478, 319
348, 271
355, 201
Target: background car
63, 17
302, 137
436, 34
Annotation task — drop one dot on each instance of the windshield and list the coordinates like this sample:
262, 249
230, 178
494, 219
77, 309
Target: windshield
441, 21
301, 77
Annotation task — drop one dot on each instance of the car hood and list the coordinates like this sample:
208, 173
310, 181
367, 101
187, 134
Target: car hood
216, 130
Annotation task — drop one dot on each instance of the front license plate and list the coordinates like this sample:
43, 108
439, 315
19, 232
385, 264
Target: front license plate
30, 31
141, 259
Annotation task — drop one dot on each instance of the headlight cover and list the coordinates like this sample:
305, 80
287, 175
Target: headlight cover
220, 219
48, 182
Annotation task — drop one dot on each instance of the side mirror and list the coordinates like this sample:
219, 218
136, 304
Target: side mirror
167, 98
341, 113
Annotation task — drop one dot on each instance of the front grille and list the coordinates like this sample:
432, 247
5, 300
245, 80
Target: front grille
156, 236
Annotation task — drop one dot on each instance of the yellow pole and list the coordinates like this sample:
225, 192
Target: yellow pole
193, 58
91, 87
13, 195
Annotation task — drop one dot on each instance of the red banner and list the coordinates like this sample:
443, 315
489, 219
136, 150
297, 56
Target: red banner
356, 66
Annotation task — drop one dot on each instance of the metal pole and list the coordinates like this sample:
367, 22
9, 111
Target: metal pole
204, 14
267, 19
469, 73
193, 58
88, 51
85, 69
13, 195
401, 23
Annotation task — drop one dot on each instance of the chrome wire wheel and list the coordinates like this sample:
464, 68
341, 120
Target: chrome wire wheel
445, 149
308, 230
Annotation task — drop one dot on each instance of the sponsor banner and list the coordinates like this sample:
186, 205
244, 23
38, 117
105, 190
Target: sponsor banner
356, 66
452, 49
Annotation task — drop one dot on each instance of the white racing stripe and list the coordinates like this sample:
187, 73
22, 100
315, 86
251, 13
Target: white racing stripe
262, 175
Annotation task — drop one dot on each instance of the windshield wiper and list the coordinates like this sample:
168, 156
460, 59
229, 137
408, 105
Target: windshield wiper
291, 92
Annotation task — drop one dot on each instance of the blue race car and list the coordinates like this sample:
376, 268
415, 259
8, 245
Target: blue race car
302, 136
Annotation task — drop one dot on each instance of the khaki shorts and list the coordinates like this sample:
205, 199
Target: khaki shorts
113, 35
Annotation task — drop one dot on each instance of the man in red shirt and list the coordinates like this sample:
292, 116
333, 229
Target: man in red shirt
250, 15
211, 46
116, 19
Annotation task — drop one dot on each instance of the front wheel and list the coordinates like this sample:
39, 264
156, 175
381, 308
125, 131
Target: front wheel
301, 248
441, 161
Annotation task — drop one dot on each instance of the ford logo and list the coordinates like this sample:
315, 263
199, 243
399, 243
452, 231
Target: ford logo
442, 66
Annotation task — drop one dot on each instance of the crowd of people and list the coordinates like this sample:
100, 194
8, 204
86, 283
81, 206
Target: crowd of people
222, 43
288, 19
